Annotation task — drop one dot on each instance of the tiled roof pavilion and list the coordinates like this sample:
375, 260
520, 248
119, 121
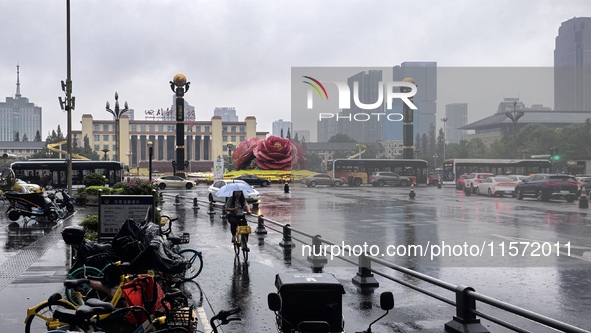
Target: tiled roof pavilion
553, 119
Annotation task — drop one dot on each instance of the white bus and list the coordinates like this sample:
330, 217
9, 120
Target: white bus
454, 168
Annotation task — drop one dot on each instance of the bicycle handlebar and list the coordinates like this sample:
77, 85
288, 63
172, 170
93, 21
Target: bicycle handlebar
222, 316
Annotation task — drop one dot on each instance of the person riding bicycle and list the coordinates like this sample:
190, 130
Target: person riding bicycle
236, 206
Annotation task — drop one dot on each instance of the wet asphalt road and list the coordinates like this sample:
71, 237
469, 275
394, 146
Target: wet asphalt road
554, 285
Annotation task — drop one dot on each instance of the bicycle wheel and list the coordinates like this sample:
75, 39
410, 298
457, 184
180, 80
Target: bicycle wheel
195, 263
245, 248
39, 322
81, 273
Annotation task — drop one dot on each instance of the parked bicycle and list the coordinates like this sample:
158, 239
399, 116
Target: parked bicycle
193, 257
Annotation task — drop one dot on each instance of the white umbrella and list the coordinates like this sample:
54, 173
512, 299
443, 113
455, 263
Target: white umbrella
228, 190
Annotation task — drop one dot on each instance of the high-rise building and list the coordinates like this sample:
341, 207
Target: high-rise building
228, 114
457, 116
425, 76
282, 126
19, 116
572, 65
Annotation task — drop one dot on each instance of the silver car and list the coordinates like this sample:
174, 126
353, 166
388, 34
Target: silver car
174, 181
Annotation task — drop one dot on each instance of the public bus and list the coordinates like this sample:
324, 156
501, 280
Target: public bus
357, 171
454, 168
53, 172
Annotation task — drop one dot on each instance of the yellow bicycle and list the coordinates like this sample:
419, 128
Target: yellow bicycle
241, 240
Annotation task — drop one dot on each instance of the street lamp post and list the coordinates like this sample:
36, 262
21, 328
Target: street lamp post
150, 155
514, 116
230, 145
129, 153
180, 86
435, 161
407, 126
117, 113
444, 120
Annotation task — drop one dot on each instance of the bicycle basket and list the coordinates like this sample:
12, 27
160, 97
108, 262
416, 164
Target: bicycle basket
185, 238
181, 317
243, 230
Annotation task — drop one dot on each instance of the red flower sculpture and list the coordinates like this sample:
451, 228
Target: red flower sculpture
244, 153
274, 153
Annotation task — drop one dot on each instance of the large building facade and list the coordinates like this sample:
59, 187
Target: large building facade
18, 115
572, 66
282, 127
204, 140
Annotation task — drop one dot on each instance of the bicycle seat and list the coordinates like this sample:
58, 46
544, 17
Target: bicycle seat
97, 303
74, 284
100, 247
87, 312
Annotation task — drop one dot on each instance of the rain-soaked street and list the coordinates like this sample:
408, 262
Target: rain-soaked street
531, 254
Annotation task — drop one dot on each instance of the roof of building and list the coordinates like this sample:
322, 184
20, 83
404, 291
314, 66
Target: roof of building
314, 146
21, 145
532, 117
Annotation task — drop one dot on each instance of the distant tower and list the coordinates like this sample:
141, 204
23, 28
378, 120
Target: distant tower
572, 65
19, 115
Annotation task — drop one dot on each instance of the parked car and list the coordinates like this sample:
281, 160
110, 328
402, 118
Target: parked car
322, 179
517, 178
548, 186
254, 180
476, 178
493, 186
32, 188
583, 182
382, 178
174, 181
253, 198
460, 181
433, 179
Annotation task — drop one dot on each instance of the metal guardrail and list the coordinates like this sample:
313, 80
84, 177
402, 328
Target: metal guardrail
465, 320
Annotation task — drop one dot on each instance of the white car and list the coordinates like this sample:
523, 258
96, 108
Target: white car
32, 188
174, 181
253, 198
474, 179
517, 178
496, 186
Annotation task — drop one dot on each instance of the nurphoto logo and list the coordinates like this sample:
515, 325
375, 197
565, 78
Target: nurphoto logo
391, 90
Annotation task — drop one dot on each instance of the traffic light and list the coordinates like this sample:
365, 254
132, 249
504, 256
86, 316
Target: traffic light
556, 154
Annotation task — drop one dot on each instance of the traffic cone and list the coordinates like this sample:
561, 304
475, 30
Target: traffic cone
583, 201
412, 193
439, 183
177, 200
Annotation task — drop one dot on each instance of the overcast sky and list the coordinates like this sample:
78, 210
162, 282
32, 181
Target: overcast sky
240, 53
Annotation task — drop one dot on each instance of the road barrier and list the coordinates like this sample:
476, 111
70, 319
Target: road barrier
466, 318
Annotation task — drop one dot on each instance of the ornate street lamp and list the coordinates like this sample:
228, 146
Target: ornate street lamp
117, 113
105, 151
230, 145
129, 153
180, 86
150, 155
514, 116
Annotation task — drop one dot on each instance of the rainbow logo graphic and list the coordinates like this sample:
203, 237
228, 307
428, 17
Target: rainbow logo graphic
317, 86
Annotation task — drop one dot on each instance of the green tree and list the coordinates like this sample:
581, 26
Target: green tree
341, 138
476, 148
440, 143
288, 134
423, 153
37, 136
25, 138
282, 132
313, 162
432, 148
16, 136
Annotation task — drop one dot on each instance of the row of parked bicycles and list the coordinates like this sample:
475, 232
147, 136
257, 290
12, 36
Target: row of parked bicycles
132, 284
